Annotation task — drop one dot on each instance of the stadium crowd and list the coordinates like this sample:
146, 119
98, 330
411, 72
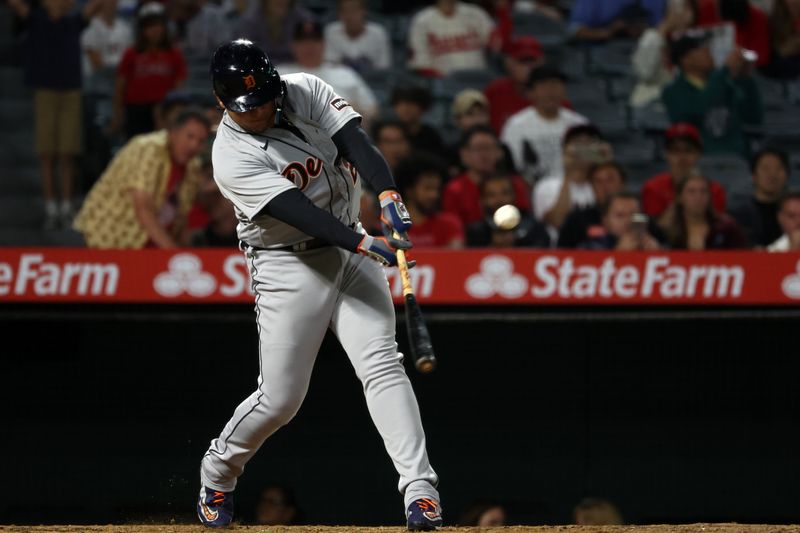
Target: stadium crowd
614, 124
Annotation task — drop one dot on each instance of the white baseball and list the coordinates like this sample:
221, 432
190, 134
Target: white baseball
507, 217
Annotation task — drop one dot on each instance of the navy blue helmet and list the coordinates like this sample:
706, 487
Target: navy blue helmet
243, 76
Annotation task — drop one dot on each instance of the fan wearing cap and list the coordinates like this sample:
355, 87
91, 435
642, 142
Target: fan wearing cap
534, 134
718, 101
308, 51
148, 71
683, 150
509, 95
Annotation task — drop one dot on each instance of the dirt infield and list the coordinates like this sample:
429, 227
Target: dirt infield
689, 528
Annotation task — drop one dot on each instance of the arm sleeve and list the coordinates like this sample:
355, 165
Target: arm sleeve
294, 208
354, 145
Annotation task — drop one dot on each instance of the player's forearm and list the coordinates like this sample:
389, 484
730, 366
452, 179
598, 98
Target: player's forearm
294, 208
354, 145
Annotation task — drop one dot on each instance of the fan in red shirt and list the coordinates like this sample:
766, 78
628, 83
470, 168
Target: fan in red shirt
752, 24
146, 73
683, 150
481, 154
510, 94
420, 178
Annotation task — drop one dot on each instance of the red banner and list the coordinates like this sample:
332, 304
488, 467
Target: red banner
441, 277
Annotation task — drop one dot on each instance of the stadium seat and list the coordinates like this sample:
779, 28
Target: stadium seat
12, 83
610, 118
455, 82
731, 171
587, 94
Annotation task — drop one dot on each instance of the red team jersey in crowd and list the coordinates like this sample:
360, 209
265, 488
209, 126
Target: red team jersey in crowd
438, 230
149, 76
462, 197
658, 193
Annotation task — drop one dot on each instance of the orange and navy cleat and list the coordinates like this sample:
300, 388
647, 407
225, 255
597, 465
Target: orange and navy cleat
424, 514
215, 508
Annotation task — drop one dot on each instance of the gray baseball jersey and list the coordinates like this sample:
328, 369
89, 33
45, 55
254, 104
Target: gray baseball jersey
300, 295
252, 169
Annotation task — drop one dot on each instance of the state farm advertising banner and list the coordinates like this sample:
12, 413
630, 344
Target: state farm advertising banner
441, 277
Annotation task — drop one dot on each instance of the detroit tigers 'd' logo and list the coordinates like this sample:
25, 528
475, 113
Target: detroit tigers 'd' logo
301, 174
249, 81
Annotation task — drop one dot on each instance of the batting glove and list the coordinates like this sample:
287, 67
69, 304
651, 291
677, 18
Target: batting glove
382, 249
394, 214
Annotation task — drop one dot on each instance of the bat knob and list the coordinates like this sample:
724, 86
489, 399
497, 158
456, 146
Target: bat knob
426, 364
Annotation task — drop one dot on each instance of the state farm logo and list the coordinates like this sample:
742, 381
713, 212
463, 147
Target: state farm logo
185, 275
791, 284
497, 276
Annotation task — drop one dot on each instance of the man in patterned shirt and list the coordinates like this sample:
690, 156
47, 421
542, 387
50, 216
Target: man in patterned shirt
144, 196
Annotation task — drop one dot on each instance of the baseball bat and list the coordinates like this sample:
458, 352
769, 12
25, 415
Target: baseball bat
419, 339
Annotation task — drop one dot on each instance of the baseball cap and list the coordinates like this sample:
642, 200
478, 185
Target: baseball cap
307, 30
466, 100
151, 10
683, 131
522, 48
689, 40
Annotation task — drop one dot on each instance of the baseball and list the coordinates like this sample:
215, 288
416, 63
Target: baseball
507, 217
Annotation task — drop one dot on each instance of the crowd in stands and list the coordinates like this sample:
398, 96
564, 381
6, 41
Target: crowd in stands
621, 124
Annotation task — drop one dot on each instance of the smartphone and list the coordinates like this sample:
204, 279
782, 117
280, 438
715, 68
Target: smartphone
639, 223
749, 55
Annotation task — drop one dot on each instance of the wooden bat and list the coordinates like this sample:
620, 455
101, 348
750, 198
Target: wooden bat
419, 340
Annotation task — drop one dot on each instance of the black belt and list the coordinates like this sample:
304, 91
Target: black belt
311, 244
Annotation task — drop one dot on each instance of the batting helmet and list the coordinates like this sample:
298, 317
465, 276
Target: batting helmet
243, 76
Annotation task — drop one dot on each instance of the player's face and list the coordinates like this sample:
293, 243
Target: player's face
789, 216
770, 176
605, 182
682, 156
257, 119
187, 141
497, 193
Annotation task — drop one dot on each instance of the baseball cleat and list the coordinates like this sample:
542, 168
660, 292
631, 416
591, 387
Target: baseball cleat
424, 514
215, 508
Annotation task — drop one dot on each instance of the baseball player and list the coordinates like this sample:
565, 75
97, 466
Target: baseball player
290, 155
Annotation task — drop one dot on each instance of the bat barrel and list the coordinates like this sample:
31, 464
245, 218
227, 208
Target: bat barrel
426, 364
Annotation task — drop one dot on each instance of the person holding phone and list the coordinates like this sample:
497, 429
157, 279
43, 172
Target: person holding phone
625, 227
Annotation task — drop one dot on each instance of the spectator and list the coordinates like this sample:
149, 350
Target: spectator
624, 227
651, 58
481, 154
534, 134
692, 224
148, 71
470, 108
509, 95
591, 20
720, 102
751, 24
212, 221
606, 179
409, 104
596, 512
391, 138
497, 191
784, 30
144, 196
270, 24
420, 179
789, 220
483, 514
758, 217
106, 39
355, 42
203, 28
448, 36
556, 196
308, 49
277, 506
54, 73
683, 149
